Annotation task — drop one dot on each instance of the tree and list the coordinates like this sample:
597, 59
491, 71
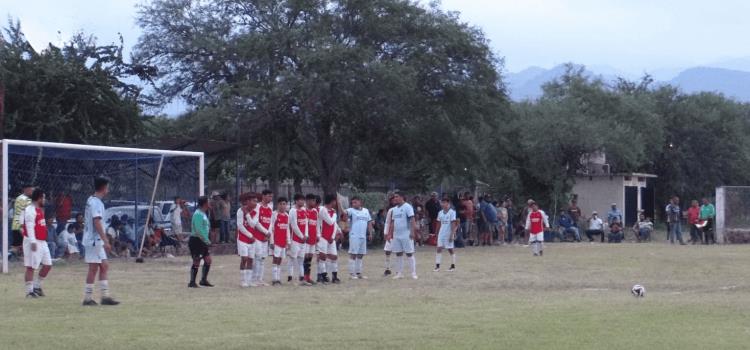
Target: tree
75, 93
350, 79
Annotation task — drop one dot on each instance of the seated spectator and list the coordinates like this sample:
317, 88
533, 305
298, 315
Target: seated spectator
129, 232
52, 236
67, 240
567, 226
615, 233
643, 228
113, 233
596, 227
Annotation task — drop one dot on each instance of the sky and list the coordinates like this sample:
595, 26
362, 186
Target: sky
629, 35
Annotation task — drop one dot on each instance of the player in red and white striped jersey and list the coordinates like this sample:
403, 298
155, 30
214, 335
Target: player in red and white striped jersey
281, 237
329, 232
298, 225
248, 234
265, 212
312, 234
35, 249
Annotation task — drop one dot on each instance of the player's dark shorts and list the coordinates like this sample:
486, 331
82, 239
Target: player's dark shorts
198, 248
215, 223
16, 238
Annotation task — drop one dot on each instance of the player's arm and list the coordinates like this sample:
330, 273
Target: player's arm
527, 226
288, 236
254, 221
388, 226
273, 222
241, 225
546, 220
294, 225
370, 228
413, 226
327, 218
454, 228
99, 227
29, 220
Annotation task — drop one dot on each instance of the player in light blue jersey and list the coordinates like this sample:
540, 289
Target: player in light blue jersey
401, 232
97, 245
447, 225
360, 232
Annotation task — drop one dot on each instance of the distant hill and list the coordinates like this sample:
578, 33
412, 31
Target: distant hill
527, 84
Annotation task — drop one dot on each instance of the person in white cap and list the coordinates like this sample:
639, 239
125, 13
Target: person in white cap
596, 227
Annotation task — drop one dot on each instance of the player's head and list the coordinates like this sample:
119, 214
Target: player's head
534, 206
398, 198
445, 203
37, 196
310, 200
594, 214
356, 202
318, 200
177, 200
642, 216
27, 189
101, 186
203, 203
267, 196
299, 200
390, 200
330, 200
282, 204
79, 217
705, 201
694, 203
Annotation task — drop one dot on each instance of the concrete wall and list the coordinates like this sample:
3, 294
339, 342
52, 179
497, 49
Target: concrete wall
598, 193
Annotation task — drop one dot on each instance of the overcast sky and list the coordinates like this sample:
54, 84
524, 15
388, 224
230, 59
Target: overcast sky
630, 35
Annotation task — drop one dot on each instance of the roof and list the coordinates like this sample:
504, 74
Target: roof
651, 176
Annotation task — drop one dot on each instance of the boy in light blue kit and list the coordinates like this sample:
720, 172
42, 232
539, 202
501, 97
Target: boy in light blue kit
360, 232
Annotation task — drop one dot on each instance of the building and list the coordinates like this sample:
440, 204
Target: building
632, 192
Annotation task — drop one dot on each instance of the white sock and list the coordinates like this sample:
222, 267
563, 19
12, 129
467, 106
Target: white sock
334, 266
38, 282
453, 258
29, 287
352, 266
358, 265
104, 287
387, 262
276, 272
400, 264
322, 264
243, 276
88, 290
301, 262
261, 269
290, 266
438, 258
413, 264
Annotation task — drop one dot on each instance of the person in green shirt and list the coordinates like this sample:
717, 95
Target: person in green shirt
199, 243
708, 213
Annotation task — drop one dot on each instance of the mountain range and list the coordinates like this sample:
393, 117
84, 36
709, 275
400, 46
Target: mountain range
729, 77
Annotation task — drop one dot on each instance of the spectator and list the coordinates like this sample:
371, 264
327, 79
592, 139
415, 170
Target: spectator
63, 210
674, 217
502, 221
226, 216
643, 228
567, 225
419, 216
615, 233
596, 227
509, 224
129, 233
113, 233
433, 209
78, 232
19, 205
175, 216
614, 215
575, 212
693, 217
708, 213
51, 236
467, 218
488, 220
68, 243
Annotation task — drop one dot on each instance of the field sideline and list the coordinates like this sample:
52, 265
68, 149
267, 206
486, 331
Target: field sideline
575, 297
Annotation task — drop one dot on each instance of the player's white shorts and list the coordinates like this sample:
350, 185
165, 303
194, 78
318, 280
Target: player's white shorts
327, 248
279, 252
297, 250
387, 246
261, 248
95, 254
357, 245
402, 245
536, 237
245, 249
445, 241
40, 256
310, 248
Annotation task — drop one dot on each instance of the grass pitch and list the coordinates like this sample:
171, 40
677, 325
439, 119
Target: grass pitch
575, 297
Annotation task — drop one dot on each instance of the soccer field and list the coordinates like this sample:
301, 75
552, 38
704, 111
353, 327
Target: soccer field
575, 297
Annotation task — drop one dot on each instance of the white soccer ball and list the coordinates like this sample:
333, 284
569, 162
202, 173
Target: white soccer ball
638, 291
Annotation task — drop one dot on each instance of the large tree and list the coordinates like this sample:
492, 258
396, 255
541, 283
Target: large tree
354, 86
74, 93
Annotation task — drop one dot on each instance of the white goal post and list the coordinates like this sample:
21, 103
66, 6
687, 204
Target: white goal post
68, 170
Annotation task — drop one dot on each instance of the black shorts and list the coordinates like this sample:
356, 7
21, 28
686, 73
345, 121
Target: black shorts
215, 223
16, 238
198, 248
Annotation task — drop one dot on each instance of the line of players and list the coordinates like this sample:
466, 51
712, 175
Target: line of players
310, 231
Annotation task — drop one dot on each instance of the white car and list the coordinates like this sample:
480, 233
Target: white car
158, 218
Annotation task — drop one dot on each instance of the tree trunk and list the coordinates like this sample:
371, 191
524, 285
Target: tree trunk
297, 186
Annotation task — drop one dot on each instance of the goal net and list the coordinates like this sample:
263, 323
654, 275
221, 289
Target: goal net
733, 214
66, 173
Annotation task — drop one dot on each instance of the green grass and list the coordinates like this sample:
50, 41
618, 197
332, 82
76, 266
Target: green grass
575, 297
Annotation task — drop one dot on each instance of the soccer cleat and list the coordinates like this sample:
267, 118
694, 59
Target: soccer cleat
453, 268
541, 253
353, 276
38, 292
205, 283
387, 272
244, 285
305, 283
361, 276
261, 284
414, 277
335, 280
32, 295
276, 283
437, 269
398, 276
192, 285
301, 278
289, 278
109, 301
89, 302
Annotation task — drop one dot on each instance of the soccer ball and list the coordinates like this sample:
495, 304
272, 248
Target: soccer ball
638, 291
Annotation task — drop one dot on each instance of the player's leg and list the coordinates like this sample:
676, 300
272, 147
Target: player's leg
452, 253
438, 255
28, 279
89, 288
291, 261
29, 260
322, 248
409, 250
359, 265
387, 249
206, 268
332, 257
352, 263
46, 261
